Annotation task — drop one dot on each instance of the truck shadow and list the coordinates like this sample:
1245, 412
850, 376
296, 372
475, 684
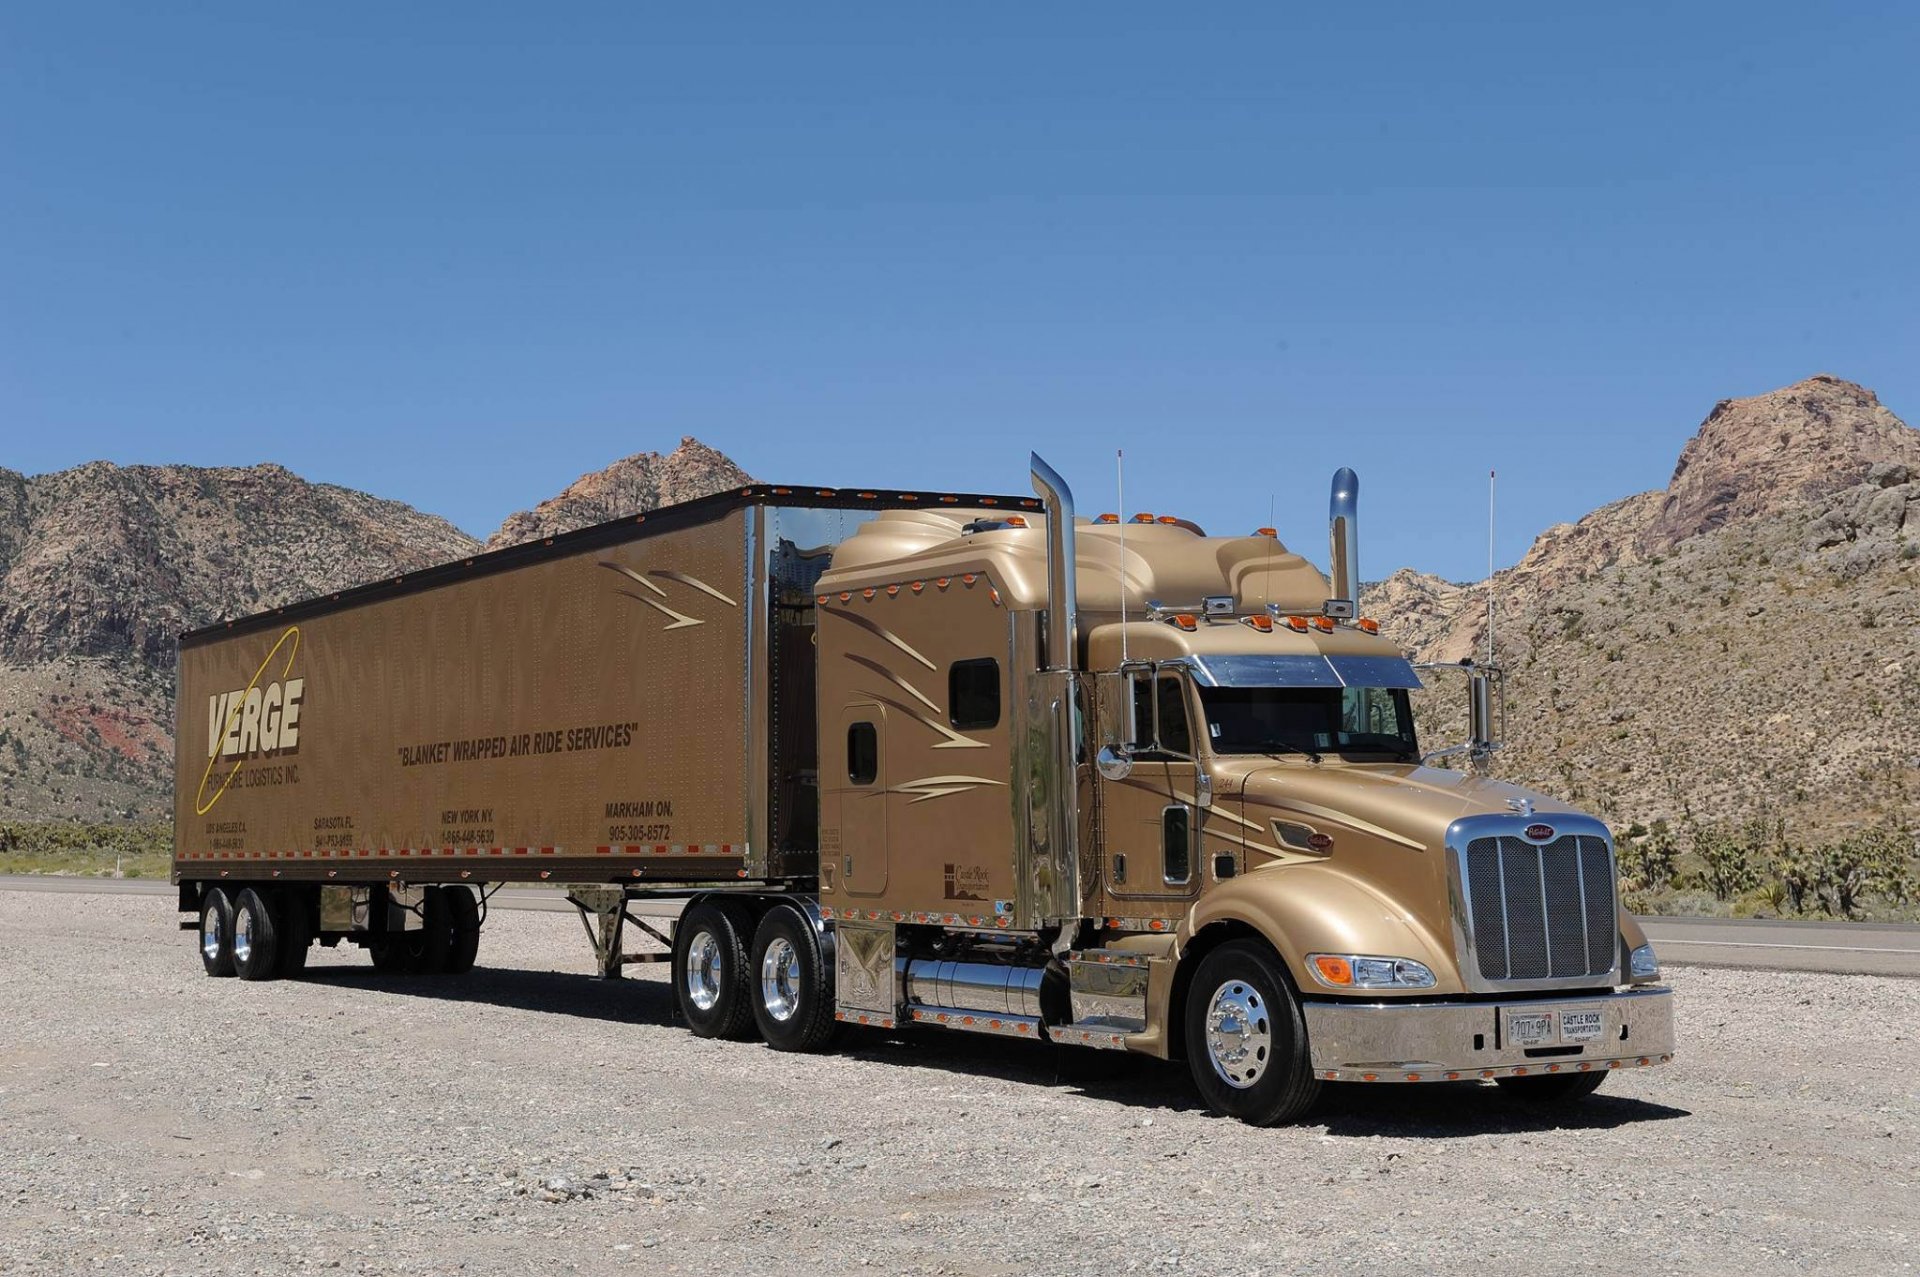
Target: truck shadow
1446, 1110
551, 992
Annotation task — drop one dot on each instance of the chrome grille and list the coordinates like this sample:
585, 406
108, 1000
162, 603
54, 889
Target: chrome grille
1540, 911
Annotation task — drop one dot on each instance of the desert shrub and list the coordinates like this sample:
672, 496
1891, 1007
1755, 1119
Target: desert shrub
1648, 861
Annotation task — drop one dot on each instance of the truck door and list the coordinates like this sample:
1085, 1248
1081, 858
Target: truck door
1150, 823
860, 778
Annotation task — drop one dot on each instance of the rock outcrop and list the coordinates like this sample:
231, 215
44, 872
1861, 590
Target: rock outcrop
633, 485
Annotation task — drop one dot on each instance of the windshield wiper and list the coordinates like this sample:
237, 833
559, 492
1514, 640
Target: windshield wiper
1281, 747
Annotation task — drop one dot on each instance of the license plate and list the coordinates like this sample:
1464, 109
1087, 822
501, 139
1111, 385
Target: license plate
1530, 1028
1580, 1026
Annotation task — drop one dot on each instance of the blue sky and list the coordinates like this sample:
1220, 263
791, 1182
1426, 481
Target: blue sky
460, 254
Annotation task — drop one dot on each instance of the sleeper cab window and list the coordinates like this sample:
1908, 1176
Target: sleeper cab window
863, 753
973, 694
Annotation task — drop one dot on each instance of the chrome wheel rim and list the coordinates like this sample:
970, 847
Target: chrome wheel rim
704, 971
780, 979
1239, 1034
242, 936
210, 939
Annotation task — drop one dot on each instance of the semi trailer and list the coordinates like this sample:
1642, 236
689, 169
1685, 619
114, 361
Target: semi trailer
917, 758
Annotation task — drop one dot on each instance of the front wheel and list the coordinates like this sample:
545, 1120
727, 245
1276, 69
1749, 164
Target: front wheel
1552, 1088
1246, 1037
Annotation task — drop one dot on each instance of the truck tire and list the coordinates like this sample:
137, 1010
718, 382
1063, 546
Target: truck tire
710, 970
1552, 1088
395, 953
1246, 1037
788, 982
295, 930
216, 933
256, 948
436, 931
465, 912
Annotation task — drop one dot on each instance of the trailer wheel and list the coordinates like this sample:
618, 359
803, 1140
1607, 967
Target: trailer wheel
710, 972
1552, 1088
436, 931
788, 982
216, 933
256, 950
465, 912
295, 930
1246, 1037
395, 954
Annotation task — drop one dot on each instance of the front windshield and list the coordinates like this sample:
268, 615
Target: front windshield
1315, 720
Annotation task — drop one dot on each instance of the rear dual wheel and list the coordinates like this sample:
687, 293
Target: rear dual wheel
260, 934
446, 941
789, 973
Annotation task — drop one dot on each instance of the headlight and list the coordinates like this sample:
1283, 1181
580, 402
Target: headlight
1361, 971
1642, 965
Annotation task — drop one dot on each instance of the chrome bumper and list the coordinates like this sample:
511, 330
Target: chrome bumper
1451, 1041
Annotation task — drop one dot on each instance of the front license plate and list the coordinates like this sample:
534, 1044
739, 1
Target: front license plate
1580, 1026
1530, 1028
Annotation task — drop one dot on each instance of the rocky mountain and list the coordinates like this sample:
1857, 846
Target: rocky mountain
102, 566
644, 481
1745, 641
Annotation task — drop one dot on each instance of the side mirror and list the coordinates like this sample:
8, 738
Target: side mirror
1114, 762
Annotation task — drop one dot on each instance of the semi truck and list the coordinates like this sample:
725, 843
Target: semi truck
968, 762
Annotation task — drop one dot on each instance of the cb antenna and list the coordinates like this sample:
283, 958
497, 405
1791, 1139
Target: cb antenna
1120, 504
1492, 477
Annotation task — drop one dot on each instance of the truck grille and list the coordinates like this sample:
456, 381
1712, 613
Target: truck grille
1540, 911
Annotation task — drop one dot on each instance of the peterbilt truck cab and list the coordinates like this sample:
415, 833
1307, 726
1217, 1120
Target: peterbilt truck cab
1126, 785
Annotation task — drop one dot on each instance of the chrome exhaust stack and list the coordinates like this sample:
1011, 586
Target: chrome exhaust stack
1049, 888
1343, 527
1063, 612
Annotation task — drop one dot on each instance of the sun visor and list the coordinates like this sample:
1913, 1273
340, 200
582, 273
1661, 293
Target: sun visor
1303, 671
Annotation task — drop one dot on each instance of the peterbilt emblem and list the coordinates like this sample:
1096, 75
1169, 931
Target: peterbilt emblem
1539, 833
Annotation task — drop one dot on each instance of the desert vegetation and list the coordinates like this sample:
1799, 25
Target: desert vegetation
1758, 868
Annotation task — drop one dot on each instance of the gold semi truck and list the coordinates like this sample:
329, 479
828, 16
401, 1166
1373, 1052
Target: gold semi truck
917, 758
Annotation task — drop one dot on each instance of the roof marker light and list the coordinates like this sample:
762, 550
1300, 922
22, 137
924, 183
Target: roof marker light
1298, 624
1368, 625
1108, 518
1271, 533
1143, 518
1186, 621
1324, 624
1262, 623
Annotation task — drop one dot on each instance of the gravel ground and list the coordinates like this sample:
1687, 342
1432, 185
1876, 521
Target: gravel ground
526, 1118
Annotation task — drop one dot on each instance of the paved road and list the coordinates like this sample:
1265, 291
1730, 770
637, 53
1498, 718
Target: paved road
1865, 948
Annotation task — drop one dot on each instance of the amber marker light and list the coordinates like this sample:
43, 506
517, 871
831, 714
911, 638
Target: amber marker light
1272, 534
1368, 625
1262, 623
1108, 518
1324, 624
1334, 970
1186, 621
1016, 520
1143, 518
1298, 624
917, 586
